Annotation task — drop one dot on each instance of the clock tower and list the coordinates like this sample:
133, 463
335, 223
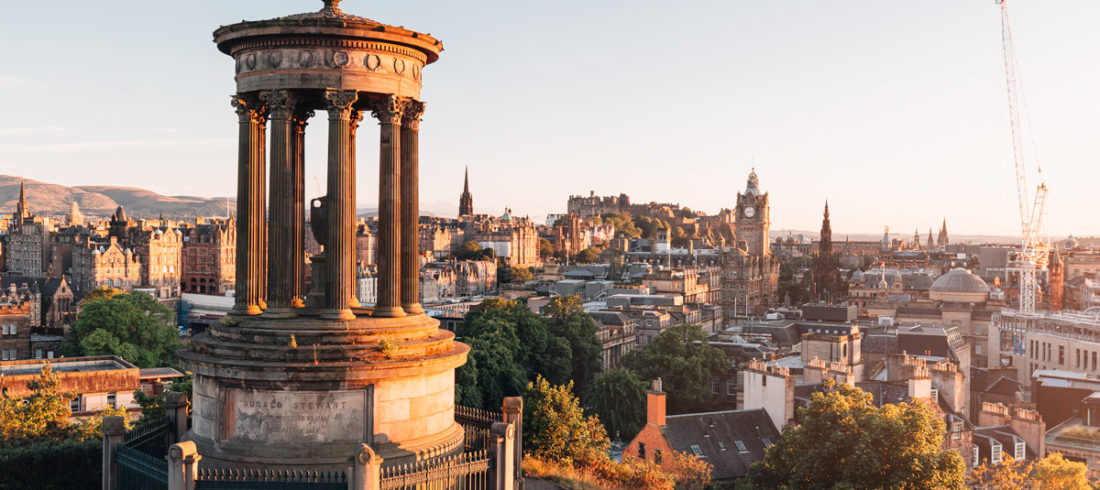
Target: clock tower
751, 220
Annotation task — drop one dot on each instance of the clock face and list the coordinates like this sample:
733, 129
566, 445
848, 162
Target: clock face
750, 212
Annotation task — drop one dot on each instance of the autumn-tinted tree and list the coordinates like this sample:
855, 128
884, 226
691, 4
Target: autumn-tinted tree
617, 396
555, 427
44, 414
133, 326
685, 361
1051, 472
843, 441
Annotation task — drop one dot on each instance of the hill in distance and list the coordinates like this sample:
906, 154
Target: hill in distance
45, 199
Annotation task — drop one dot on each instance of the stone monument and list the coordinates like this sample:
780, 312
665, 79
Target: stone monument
301, 379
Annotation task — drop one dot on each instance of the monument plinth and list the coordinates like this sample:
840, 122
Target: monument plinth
294, 381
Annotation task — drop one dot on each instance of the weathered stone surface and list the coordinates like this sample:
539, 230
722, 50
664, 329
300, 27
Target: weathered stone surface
298, 416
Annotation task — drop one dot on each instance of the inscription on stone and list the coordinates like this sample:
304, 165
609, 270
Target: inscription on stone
298, 416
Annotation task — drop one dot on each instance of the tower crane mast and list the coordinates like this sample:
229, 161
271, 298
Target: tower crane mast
1034, 250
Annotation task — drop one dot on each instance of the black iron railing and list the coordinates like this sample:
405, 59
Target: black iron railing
264, 479
466, 471
140, 471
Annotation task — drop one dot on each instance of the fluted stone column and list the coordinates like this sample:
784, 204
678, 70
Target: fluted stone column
388, 111
410, 208
340, 246
280, 251
250, 205
298, 175
353, 127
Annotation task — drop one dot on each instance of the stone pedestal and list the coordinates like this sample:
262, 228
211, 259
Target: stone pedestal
306, 392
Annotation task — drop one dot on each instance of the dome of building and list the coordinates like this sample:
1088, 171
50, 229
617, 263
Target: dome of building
959, 285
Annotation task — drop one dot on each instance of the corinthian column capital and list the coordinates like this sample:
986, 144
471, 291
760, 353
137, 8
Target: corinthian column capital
388, 109
280, 103
249, 109
340, 101
410, 119
300, 118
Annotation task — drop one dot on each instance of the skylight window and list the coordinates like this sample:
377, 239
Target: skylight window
740, 445
696, 450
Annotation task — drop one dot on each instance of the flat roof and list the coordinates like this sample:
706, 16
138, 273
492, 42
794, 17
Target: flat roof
65, 365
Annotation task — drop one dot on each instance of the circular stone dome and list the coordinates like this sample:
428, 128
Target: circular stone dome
959, 285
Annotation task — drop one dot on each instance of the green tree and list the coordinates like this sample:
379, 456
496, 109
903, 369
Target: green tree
501, 364
844, 441
686, 363
617, 396
133, 326
507, 274
546, 249
587, 256
567, 320
624, 225
555, 427
472, 250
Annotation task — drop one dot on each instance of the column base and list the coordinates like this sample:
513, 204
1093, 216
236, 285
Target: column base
388, 312
413, 309
354, 302
297, 303
330, 314
279, 313
246, 310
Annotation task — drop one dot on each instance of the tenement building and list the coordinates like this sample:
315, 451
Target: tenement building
208, 257
309, 379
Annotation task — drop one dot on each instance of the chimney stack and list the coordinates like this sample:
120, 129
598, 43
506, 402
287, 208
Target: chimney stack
655, 404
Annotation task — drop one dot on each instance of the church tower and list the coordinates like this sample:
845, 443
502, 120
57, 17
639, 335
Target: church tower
751, 220
1056, 278
466, 201
941, 242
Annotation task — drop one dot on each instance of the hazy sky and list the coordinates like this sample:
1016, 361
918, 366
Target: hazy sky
893, 111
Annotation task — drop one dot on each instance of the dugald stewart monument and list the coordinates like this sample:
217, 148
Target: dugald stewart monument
303, 379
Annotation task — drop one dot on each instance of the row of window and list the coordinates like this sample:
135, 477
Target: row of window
13, 354
9, 329
1044, 351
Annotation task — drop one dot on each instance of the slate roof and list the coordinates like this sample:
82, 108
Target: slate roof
716, 435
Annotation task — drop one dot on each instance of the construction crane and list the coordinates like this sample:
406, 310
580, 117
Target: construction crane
1034, 249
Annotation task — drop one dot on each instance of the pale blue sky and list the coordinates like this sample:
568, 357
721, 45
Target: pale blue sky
894, 111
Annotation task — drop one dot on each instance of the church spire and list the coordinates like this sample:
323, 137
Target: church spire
466, 200
21, 209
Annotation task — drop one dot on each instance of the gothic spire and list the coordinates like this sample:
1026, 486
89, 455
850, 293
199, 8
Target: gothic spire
466, 186
22, 206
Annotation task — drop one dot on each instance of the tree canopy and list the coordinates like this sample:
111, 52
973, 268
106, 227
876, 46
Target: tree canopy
686, 363
511, 345
1051, 472
616, 395
554, 424
472, 250
133, 326
843, 441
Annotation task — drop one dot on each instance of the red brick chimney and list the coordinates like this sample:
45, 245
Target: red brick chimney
655, 404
